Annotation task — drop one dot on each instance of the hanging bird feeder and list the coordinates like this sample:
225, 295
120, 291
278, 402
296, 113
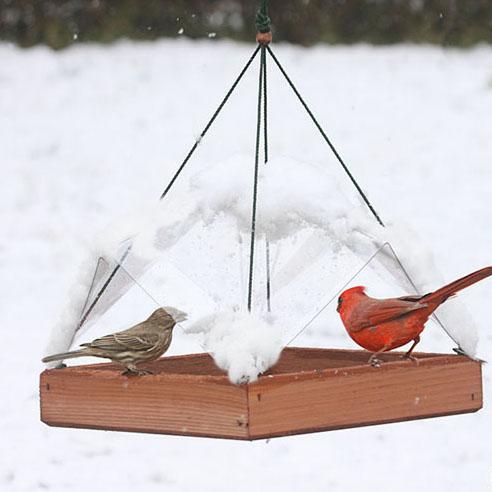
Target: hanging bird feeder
308, 390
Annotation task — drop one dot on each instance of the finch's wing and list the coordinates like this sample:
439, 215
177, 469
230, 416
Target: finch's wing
122, 340
383, 311
142, 341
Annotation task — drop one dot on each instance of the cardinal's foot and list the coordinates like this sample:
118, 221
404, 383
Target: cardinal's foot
410, 357
374, 361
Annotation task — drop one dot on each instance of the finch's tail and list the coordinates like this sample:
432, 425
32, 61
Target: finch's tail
447, 291
65, 355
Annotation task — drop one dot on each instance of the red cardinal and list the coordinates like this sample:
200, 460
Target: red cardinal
380, 325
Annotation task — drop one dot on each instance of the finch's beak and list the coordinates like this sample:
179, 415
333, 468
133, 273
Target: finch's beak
180, 316
176, 314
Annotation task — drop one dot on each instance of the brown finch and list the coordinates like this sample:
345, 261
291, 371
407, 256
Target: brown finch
143, 342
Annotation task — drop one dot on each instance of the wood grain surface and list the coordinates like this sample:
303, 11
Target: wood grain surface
184, 400
308, 390
348, 395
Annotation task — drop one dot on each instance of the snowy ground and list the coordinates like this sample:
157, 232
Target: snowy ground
90, 133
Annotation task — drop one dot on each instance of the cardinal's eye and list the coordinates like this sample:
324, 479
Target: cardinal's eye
340, 301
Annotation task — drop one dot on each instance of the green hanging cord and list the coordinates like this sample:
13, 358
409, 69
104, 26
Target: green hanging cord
263, 23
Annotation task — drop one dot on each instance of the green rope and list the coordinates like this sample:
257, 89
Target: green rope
255, 182
210, 123
265, 141
325, 137
265, 104
263, 22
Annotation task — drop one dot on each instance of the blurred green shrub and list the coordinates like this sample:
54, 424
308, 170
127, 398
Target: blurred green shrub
60, 23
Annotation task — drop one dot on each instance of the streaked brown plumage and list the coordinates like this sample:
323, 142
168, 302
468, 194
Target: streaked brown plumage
143, 342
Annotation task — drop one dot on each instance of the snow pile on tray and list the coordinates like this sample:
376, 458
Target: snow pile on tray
241, 343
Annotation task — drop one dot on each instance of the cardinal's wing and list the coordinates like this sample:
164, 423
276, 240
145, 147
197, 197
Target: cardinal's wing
378, 311
413, 298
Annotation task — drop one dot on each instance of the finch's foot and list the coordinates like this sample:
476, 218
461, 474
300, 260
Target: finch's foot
144, 372
136, 372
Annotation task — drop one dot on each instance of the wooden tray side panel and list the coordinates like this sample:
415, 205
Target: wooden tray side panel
344, 398
167, 404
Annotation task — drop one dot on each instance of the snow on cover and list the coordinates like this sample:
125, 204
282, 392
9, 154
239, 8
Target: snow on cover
293, 197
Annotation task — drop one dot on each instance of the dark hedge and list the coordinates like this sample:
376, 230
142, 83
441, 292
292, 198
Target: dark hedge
60, 23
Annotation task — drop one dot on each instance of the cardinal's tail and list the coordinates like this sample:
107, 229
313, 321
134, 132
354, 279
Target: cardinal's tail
447, 291
65, 355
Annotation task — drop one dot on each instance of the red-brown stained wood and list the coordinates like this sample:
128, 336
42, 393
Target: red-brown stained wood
346, 395
308, 390
187, 395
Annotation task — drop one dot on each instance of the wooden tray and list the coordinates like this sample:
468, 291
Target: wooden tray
309, 390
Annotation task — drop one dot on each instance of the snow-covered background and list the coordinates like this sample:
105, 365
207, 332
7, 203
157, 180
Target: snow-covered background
90, 134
